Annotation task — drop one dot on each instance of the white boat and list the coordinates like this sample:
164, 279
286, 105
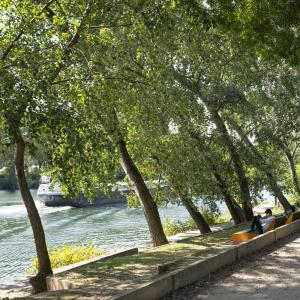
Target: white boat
51, 195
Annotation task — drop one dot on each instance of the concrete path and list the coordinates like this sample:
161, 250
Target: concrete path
274, 273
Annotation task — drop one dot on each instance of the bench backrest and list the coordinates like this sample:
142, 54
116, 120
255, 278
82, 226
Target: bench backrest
279, 221
272, 225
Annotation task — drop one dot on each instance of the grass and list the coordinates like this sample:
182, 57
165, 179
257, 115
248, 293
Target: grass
66, 255
140, 268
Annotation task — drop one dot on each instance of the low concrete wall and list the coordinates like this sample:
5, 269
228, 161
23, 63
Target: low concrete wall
149, 291
196, 270
285, 230
57, 284
255, 244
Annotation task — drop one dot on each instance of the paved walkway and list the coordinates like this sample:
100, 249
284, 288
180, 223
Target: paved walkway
274, 273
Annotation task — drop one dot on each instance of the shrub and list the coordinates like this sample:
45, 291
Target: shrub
214, 218
173, 227
66, 255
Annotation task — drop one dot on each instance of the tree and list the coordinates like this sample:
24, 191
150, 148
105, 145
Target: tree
32, 41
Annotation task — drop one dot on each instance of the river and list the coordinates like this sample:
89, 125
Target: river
110, 228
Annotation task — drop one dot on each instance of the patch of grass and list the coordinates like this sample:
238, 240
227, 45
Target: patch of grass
68, 254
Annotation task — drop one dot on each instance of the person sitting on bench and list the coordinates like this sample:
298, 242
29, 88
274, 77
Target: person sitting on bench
260, 224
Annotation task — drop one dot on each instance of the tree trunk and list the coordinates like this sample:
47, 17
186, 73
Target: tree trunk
233, 207
283, 146
217, 120
237, 163
145, 198
44, 266
196, 215
292, 166
261, 164
293, 172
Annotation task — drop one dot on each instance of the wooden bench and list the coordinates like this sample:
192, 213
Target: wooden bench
245, 235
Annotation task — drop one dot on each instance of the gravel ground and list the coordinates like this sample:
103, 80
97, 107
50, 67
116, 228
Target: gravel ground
273, 273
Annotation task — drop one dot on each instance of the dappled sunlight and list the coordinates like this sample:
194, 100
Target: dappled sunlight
268, 274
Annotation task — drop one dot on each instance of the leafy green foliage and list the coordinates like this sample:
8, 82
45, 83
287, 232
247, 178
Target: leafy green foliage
172, 228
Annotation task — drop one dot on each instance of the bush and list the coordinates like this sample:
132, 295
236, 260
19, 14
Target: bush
66, 255
214, 218
171, 228
222, 219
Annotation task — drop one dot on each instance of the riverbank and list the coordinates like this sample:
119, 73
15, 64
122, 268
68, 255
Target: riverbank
21, 288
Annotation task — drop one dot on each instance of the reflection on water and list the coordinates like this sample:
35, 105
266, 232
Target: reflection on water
109, 227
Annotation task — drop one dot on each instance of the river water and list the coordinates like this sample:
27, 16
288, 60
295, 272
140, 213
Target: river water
110, 228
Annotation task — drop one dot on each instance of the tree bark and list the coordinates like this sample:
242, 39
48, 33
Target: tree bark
284, 147
145, 198
196, 215
262, 165
234, 209
291, 162
237, 163
44, 266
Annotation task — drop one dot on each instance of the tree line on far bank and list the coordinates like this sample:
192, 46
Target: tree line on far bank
202, 96
8, 178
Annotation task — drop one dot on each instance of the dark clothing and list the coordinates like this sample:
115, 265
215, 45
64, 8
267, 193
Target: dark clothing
256, 225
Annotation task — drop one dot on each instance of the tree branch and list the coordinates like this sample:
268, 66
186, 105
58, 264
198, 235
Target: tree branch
74, 40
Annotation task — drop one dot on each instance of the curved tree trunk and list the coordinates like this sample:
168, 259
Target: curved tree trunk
284, 147
217, 120
234, 209
262, 165
196, 215
291, 162
44, 266
145, 198
237, 163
